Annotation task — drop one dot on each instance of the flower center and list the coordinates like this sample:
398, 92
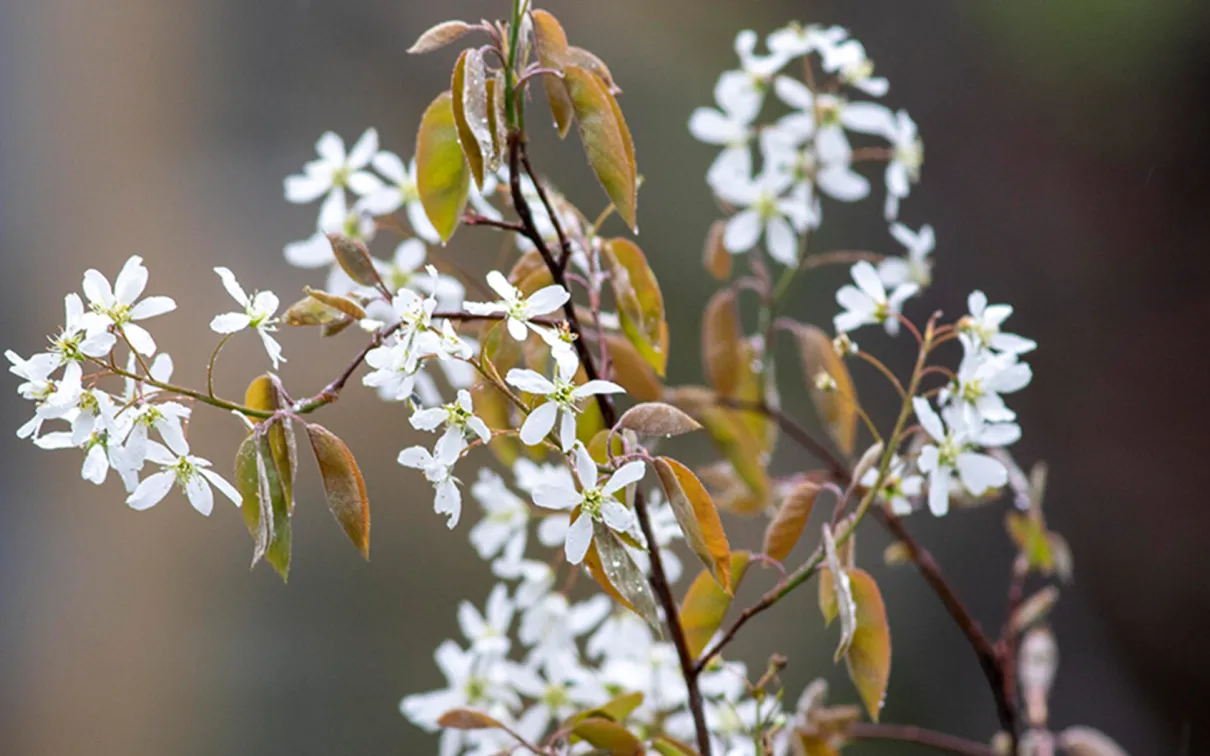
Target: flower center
591, 505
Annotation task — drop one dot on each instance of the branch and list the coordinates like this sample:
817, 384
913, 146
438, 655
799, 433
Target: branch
550, 210
918, 735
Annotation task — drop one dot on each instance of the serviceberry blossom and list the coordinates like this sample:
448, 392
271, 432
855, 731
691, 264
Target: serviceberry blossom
730, 124
595, 503
399, 191
849, 61
557, 694
907, 155
335, 169
561, 398
38, 387
551, 625
766, 209
258, 313
192, 474
488, 632
952, 450
438, 467
473, 680
84, 334
518, 308
981, 378
915, 267
505, 516
868, 303
118, 305
984, 322
898, 487
403, 271
458, 417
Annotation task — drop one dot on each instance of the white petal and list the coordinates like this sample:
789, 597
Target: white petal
781, 241
530, 381
230, 322
712, 127
980, 472
579, 536
140, 339
843, 183
868, 118
742, 231
929, 419
866, 277
586, 467
539, 423
364, 184
303, 188
939, 491
225, 488
597, 386
549, 496
567, 430
416, 457
364, 150
617, 516
516, 329
231, 285
313, 252
199, 494
149, 492
428, 419
628, 473
132, 279
96, 287
390, 166
547, 299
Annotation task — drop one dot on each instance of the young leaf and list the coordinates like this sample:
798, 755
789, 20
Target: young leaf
631, 371
354, 259
1034, 609
787, 525
265, 393
592, 560
606, 140
596, 447
578, 56
345, 305
841, 601
343, 486
835, 399
467, 719
496, 115
442, 174
471, 148
706, 604
610, 737
311, 312
715, 257
640, 303
698, 518
550, 42
657, 419
722, 343
615, 709
666, 746
439, 36
263, 504
869, 655
624, 574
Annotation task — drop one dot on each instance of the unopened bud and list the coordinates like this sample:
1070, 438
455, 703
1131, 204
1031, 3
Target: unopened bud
1036, 668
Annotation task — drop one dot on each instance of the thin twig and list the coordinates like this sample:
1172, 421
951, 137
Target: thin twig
918, 735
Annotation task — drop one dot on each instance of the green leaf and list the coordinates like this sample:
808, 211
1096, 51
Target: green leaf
469, 102
550, 43
666, 746
698, 518
442, 175
869, 654
624, 575
787, 525
609, 736
640, 303
615, 710
344, 487
606, 140
263, 504
706, 604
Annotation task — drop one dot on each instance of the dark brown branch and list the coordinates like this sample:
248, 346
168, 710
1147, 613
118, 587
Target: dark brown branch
659, 580
473, 219
800, 435
920, 736
564, 244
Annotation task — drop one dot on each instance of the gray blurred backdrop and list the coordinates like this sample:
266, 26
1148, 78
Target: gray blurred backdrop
1066, 173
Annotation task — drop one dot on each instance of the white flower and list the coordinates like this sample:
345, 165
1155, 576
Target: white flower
191, 473
517, 307
166, 419
258, 315
952, 451
766, 209
52, 399
403, 271
982, 377
867, 303
399, 191
472, 680
595, 503
458, 417
848, 60
984, 322
794, 40
730, 125
438, 467
83, 334
505, 515
623, 635
907, 155
395, 368
447, 345
119, 307
562, 396
335, 169
557, 694
916, 267
897, 486
488, 633
102, 452
550, 627
561, 342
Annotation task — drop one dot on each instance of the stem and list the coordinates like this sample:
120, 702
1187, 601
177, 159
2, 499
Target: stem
918, 735
550, 210
842, 257
210, 365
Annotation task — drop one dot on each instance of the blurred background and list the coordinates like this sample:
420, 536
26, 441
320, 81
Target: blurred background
1066, 173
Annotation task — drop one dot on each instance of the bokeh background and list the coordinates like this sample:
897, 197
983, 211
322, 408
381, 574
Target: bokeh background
1066, 173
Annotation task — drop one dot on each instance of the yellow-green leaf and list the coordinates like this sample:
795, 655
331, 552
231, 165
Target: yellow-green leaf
787, 525
722, 346
467, 719
615, 709
1031, 537
265, 393
344, 487
631, 371
698, 518
624, 575
830, 385
735, 439
706, 604
606, 140
715, 257
869, 656
592, 560
466, 137
608, 736
666, 746
550, 42
263, 504
578, 56
657, 419
640, 302
596, 447
442, 174
496, 115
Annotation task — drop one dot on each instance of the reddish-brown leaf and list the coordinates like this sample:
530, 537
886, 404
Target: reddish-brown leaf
606, 140
344, 487
550, 43
439, 36
640, 302
467, 719
698, 518
869, 655
787, 525
657, 419
706, 604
